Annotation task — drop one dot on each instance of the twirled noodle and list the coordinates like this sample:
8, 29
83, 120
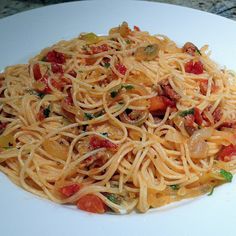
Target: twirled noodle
118, 122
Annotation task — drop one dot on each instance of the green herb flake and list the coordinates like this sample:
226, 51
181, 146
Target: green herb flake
6, 148
104, 134
127, 86
114, 198
106, 64
128, 41
175, 187
226, 175
114, 94
187, 112
46, 112
211, 192
88, 116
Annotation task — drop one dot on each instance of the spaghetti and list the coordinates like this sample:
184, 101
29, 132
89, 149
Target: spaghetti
118, 122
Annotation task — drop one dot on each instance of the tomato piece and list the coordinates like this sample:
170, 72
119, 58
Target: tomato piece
195, 67
56, 68
56, 57
121, 68
160, 103
58, 85
91, 203
136, 28
70, 190
99, 49
37, 72
97, 142
227, 152
197, 116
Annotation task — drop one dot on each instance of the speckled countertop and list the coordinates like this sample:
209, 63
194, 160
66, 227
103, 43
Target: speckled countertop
226, 8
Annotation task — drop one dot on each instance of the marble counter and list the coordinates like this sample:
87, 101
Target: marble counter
226, 8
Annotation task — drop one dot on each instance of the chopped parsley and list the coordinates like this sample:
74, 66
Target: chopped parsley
125, 86
226, 175
46, 112
187, 112
175, 187
88, 116
105, 134
106, 64
114, 198
114, 94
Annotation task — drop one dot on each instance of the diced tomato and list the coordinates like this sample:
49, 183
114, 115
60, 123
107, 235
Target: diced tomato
121, 68
99, 49
227, 152
58, 85
56, 57
195, 67
160, 103
91, 203
197, 116
203, 84
97, 142
70, 189
72, 73
56, 68
136, 28
90, 61
37, 72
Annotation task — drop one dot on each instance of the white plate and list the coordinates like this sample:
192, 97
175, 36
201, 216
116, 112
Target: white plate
25, 34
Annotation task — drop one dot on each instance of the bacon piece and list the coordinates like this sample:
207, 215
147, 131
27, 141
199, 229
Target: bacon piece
189, 124
169, 91
97, 142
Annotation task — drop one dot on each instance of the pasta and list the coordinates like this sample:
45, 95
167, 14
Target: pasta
123, 122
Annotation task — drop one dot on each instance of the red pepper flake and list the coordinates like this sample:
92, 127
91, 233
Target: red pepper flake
70, 190
54, 56
195, 67
97, 142
121, 68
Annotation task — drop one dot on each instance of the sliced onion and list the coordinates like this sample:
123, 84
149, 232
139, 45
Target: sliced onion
139, 117
55, 149
197, 146
174, 136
